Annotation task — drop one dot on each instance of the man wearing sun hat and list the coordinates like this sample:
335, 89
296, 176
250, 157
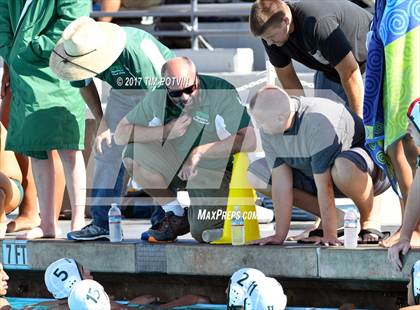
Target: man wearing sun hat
129, 60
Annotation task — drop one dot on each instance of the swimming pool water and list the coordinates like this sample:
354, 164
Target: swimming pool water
21, 303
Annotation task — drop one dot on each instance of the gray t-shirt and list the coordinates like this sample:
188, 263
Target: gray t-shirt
321, 130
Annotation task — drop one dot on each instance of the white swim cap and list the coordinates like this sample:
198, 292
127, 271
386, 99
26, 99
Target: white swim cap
61, 276
239, 284
88, 295
268, 294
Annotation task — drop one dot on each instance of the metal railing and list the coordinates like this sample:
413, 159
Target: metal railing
193, 11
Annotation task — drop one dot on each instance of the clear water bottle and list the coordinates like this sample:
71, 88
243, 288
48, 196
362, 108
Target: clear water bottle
115, 228
237, 226
350, 229
210, 235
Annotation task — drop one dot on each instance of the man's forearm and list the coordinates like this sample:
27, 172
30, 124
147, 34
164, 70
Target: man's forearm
328, 212
283, 216
290, 81
327, 208
124, 135
353, 86
91, 97
129, 133
282, 195
109, 6
243, 141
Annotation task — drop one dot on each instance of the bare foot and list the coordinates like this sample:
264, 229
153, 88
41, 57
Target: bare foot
3, 227
370, 237
38, 233
393, 239
414, 242
305, 233
23, 222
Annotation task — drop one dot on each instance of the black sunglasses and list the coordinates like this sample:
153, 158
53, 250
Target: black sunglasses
188, 90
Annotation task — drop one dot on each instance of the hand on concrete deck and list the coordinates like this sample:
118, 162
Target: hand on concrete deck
396, 252
328, 241
274, 239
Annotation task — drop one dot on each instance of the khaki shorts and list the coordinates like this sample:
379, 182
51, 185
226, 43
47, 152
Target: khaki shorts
208, 191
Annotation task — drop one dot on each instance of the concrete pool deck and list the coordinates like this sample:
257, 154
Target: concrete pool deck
186, 257
311, 276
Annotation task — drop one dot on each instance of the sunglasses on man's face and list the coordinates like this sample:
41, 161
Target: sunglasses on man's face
179, 92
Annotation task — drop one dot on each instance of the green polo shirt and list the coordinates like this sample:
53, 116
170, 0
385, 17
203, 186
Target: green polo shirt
217, 113
138, 66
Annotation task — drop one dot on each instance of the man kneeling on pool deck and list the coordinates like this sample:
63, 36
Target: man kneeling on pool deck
313, 153
183, 135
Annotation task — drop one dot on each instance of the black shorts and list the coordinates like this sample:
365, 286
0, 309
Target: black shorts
357, 155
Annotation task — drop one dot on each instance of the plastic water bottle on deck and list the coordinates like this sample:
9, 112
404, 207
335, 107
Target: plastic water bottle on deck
115, 228
210, 235
237, 226
350, 229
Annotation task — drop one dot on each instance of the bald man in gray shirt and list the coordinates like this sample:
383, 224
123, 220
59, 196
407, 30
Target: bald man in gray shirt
314, 153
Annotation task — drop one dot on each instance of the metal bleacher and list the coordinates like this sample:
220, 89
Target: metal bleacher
193, 11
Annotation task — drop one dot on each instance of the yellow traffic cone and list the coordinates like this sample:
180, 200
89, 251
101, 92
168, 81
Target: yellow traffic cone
241, 194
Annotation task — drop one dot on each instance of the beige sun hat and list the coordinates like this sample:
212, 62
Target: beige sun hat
86, 49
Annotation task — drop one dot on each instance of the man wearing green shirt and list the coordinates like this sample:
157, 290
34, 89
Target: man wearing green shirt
129, 60
183, 136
